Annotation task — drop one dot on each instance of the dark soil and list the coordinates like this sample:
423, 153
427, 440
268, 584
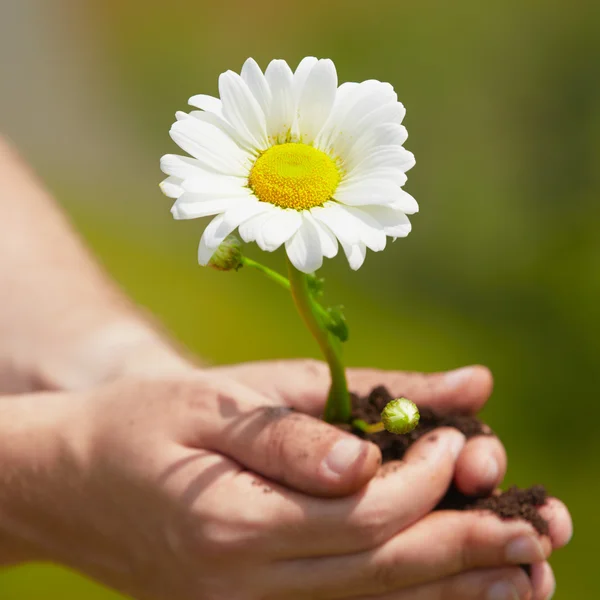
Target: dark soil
513, 503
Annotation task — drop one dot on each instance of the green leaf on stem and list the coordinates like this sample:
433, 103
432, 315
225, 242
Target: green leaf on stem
337, 323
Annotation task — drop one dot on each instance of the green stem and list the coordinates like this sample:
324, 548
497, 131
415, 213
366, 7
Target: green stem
282, 281
366, 428
272, 275
338, 408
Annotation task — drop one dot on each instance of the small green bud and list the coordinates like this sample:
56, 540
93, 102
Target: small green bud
228, 255
400, 416
337, 323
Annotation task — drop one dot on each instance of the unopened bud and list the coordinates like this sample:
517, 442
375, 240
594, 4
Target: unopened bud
400, 416
228, 255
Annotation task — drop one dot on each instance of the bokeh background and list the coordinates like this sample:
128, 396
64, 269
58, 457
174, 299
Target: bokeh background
502, 267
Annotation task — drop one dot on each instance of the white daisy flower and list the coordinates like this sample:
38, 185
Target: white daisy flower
291, 158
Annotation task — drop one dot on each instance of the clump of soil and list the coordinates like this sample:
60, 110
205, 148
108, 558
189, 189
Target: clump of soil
511, 504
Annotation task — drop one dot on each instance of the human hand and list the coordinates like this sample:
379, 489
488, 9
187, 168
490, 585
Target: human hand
143, 485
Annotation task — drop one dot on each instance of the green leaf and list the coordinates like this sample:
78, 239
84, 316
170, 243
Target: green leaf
337, 323
315, 285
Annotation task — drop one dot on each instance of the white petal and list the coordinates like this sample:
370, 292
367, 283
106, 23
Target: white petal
338, 220
406, 203
208, 103
279, 228
396, 176
356, 254
329, 243
353, 130
187, 209
357, 101
220, 185
171, 187
316, 100
300, 74
181, 166
222, 225
250, 230
394, 222
242, 109
370, 231
382, 157
304, 248
257, 82
280, 119
240, 138
361, 192
388, 134
212, 147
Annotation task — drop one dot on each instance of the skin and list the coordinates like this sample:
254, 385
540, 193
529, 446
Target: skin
125, 460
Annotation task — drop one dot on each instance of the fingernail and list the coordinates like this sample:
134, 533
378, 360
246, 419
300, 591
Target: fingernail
342, 455
524, 550
456, 444
457, 377
502, 590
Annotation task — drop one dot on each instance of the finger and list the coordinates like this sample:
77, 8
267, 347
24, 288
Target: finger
303, 384
542, 580
481, 466
559, 521
482, 584
294, 449
294, 525
440, 545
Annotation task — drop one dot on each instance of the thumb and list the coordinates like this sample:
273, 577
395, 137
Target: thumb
294, 449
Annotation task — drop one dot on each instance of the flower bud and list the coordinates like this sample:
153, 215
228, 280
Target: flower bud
228, 255
400, 416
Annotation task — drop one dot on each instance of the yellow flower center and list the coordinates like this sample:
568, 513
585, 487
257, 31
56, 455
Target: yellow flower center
294, 176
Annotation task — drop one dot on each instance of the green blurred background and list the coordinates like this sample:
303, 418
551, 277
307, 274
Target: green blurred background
502, 267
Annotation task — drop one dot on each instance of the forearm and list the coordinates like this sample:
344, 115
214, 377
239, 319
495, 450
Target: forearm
63, 323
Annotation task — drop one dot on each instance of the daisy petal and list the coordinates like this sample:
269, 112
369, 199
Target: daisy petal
208, 103
316, 100
171, 187
224, 224
337, 220
250, 230
185, 208
356, 254
394, 222
257, 83
241, 139
242, 109
214, 150
181, 166
279, 228
280, 119
406, 203
217, 185
388, 134
392, 112
370, 231
300, 74
304, 248
361, 192
329, 243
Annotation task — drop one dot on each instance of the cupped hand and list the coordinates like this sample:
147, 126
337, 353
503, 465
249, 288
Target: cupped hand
179, 488
303, 385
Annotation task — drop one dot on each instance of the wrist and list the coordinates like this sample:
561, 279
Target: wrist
30, 455
122, 348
